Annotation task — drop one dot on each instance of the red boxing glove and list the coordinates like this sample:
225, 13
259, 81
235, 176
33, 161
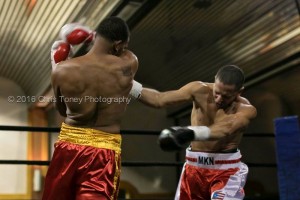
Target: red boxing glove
75, 34
60, 51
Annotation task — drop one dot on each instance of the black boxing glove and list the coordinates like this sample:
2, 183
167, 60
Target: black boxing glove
176, 138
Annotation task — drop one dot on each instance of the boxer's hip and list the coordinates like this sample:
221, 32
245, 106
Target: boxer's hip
90, 137
213, 160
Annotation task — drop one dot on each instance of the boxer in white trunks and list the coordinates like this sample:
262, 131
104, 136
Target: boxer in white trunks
219, 117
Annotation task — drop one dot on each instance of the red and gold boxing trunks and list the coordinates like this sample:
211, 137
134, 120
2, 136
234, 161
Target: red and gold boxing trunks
85, 165
215, 176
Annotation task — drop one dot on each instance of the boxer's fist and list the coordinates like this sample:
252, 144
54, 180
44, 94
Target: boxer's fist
175, 138
75, 34
60, 51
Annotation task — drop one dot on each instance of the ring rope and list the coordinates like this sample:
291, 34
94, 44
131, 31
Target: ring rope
127, 163
125, 132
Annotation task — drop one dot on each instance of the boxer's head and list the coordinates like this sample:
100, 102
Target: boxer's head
228, 85
116, 31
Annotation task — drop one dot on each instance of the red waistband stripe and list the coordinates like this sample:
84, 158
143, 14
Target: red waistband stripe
211, 160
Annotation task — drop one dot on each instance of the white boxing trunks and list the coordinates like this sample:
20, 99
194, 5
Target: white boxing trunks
215, 176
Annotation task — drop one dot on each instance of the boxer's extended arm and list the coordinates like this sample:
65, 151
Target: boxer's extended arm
158, 99
175, 138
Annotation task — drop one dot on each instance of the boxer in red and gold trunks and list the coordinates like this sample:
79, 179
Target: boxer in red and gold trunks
91, 92
218, 120
85, 165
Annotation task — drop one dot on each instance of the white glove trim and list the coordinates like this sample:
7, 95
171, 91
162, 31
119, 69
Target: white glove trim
136, 90
201, 132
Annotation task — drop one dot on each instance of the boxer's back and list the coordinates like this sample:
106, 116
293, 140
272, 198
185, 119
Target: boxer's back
95, 90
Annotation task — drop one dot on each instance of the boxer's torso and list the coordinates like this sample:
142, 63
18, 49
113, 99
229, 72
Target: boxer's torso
203, 113
95, 91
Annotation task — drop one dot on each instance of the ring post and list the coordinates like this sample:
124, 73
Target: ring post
287, 136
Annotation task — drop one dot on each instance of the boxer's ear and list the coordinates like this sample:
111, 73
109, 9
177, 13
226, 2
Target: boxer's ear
117, 47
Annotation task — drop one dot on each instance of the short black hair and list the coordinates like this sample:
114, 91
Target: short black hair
231, 75
114, 29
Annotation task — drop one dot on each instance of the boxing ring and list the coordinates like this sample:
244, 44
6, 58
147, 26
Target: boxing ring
287, 142
177, 164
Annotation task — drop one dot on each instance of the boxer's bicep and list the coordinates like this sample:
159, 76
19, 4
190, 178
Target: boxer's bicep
59, 103
58, 78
